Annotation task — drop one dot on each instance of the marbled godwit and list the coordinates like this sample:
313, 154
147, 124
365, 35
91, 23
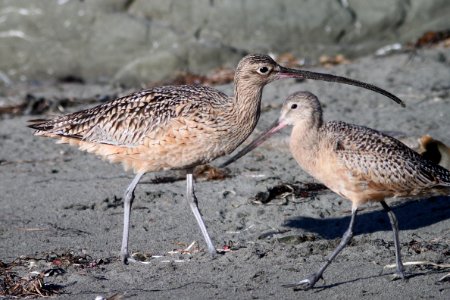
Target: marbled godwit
176, 127
356, 162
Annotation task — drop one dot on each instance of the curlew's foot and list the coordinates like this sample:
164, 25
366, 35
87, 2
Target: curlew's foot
213, 254
212, 250
135, 261
135, 258
306, 283
218, 252
125, 258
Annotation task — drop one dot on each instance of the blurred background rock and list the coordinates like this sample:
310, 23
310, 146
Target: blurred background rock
137, 41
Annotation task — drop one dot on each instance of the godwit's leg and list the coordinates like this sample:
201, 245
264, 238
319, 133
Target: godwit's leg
127, 202
394, 224
193, 203
311, 280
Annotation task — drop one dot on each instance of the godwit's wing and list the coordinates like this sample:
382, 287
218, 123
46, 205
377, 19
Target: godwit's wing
382, 161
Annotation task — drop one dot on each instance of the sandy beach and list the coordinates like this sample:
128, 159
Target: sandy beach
61, 209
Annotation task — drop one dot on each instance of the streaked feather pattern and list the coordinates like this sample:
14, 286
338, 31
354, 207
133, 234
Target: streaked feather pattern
126, 121
382, 159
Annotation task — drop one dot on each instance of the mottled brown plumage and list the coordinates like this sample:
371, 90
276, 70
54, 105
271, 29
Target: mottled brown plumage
356, 162
362, 164
176, 127
151, 130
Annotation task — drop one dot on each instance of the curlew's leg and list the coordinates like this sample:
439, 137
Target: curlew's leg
394, 224
127, 202
311, 280
193, 204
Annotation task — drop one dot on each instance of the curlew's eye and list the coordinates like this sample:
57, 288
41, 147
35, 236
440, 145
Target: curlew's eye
263, 70
294, 106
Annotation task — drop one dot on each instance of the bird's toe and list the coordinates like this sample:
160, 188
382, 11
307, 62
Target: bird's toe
306, 283
399, 275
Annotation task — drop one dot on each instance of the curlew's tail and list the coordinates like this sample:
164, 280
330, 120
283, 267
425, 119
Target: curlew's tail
58, 127
41, 124
44, 127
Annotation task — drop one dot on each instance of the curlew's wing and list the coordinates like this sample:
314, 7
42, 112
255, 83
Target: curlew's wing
127, 120
382, 160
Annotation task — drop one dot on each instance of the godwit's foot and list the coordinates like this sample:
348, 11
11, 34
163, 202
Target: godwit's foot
400, 274
401, 270
306, 283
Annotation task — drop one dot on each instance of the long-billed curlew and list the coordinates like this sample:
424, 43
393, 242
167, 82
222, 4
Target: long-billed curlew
176, 127
358, 163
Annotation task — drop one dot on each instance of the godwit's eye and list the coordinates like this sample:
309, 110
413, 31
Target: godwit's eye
263, 70
294, 106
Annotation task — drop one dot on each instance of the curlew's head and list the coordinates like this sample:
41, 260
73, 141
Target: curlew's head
298, 107
257, 70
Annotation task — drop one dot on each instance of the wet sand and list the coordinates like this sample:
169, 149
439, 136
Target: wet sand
56, 199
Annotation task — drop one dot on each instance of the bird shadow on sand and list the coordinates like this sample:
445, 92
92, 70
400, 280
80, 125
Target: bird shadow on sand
322, 285
319, 288
411, 215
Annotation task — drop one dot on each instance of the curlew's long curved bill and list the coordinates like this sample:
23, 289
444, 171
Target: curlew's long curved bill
276, 126
293, 73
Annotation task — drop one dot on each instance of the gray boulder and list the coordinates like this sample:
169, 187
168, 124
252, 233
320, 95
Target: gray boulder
135, 42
